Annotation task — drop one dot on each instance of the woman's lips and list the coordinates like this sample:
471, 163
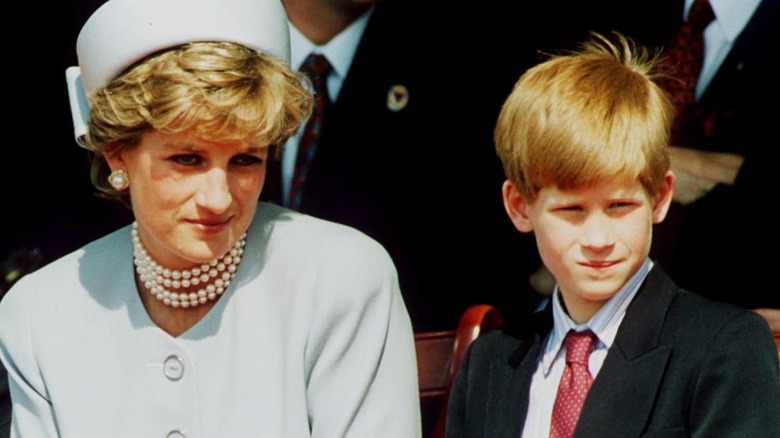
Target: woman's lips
210, 225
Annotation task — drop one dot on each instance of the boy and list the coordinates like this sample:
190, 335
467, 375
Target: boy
583, 139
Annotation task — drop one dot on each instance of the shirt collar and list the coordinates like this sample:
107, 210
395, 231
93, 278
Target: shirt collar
603, 324
340, 50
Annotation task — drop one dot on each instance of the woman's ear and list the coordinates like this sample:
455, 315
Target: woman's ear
115, 158
516, 206
663, 197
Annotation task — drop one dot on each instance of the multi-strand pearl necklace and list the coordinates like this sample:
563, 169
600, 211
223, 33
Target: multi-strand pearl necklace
208, 280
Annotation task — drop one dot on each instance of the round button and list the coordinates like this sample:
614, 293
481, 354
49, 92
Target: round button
176, 434
173, 368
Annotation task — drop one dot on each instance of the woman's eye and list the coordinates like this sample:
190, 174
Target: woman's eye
246, 160
187, 159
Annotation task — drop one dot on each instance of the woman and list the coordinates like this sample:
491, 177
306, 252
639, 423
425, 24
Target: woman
211, 315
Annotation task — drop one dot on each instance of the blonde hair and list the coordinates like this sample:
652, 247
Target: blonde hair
217, 91
585, 118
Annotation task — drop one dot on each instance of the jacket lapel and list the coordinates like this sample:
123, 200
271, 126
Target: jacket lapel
512, 383
623, 394
512, 380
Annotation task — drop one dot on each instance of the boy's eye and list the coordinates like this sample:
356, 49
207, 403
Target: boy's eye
620, 204
621, 207
246, 160
187, 159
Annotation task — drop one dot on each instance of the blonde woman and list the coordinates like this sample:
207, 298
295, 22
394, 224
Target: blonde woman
212, 314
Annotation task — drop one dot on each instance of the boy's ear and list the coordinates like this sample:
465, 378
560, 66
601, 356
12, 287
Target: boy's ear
516, 207
663, 198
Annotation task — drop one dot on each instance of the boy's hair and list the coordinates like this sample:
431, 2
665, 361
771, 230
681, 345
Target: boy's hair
586, 118
217, 91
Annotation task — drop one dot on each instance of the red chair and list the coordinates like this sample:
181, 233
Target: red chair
439, 355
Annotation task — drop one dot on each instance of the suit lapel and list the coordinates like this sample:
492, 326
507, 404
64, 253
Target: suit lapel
512, 381
623, 394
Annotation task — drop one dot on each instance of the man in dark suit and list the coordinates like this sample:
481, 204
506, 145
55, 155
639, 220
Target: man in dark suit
405, 152
583, 138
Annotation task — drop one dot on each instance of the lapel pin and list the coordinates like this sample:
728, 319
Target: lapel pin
397, 98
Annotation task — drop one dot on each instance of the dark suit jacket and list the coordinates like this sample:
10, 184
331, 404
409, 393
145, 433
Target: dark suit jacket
424, 181
680, 366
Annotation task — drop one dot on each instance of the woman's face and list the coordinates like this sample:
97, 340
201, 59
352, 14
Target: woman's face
192, 198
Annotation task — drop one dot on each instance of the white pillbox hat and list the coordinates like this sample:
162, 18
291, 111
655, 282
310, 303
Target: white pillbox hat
122, 32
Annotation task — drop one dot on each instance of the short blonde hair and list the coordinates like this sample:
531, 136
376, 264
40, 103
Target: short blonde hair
216, 90
587, 117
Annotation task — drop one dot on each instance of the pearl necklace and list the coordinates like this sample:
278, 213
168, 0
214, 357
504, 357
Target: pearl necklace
211, 279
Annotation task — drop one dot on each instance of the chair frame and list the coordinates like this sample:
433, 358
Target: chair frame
439, 356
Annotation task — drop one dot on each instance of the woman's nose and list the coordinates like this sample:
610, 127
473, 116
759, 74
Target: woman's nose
214, 192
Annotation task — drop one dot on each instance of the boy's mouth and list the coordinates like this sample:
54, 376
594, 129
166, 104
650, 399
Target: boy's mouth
602, 264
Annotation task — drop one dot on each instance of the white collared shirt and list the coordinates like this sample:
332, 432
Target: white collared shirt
339, 51
604, 324
731, 18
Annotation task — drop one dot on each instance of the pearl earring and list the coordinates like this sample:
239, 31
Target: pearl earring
119, 180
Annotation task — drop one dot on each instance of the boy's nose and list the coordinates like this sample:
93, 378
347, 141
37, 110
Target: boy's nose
597, 233
214, 193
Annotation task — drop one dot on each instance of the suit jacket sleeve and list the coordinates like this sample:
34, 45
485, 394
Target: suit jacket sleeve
361, 370
490, 395
5, 404
457, 407
735, 397
32, 413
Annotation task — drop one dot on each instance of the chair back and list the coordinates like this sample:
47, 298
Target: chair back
439, 355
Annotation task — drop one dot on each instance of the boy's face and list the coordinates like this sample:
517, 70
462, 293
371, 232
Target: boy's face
592, 239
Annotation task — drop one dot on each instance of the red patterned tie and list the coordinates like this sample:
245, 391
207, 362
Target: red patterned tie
685, 57
317, 68
574, 385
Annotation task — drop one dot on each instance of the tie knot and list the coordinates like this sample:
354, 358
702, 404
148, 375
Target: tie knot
700, 15
579, 346
316, 67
